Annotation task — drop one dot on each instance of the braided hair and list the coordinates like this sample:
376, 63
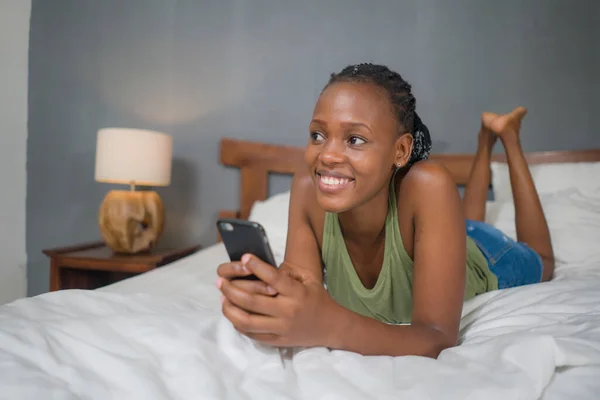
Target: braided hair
401, 98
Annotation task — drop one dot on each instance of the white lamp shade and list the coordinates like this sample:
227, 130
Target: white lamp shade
133, 156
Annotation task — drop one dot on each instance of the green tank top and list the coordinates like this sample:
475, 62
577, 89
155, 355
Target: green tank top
390, 300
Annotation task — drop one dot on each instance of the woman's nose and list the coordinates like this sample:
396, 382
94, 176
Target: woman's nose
332, 153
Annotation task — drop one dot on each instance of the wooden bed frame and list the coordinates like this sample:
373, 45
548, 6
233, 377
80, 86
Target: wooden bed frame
257, 160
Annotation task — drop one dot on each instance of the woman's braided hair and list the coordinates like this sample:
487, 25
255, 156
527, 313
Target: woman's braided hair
401, 99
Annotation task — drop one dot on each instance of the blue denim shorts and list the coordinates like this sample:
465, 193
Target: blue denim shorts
514, 263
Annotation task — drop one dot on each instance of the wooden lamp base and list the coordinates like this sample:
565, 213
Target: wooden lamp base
131, 222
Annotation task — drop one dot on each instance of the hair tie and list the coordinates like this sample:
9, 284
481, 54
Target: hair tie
421, 141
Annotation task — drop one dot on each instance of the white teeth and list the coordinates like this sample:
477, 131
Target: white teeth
332, 181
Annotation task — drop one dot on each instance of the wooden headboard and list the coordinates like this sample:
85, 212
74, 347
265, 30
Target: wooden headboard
256, 160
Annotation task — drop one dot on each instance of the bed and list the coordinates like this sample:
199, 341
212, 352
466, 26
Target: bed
161, 335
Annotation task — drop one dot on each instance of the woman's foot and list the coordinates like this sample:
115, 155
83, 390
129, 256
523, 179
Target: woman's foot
506, 126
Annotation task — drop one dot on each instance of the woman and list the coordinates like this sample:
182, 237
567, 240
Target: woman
399, 250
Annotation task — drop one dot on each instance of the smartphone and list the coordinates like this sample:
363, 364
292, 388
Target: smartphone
241, 237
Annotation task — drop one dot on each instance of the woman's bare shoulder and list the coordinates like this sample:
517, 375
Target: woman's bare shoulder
418, 191
425, 178
304, 198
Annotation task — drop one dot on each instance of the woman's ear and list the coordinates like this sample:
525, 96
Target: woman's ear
404, 145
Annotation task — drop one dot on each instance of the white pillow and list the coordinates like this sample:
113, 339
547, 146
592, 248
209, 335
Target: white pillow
549, 178
272, 214
574, 221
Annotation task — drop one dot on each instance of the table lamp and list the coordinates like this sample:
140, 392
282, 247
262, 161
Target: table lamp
131, 221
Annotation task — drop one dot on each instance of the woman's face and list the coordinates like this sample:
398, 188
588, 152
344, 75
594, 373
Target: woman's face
351, 151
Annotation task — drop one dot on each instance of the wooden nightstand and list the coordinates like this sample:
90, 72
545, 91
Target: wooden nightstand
92, 265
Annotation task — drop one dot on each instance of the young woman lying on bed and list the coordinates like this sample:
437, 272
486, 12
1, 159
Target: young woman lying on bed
399, 248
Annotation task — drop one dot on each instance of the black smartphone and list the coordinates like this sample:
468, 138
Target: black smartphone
241, 237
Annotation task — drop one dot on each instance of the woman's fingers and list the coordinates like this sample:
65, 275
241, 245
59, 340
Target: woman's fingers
236, 273
247, 323
254, 287
232, 270
248, 301
279, 280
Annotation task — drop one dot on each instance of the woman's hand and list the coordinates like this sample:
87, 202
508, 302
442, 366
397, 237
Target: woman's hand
231, 271
280, 309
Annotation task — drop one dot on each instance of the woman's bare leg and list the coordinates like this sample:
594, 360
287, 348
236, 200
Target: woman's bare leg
531, 224
476, 191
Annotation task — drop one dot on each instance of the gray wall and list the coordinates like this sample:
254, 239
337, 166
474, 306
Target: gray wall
14, 44
203, 70
596, 72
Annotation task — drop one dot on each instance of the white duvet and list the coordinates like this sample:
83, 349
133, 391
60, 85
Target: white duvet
100, 345
161, 336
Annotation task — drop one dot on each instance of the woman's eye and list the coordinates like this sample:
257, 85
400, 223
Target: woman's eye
316, 136
356, 141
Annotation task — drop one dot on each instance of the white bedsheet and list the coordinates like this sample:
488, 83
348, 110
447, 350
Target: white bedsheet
161, 336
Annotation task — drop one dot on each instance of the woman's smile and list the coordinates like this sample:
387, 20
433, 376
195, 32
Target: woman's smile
331, 182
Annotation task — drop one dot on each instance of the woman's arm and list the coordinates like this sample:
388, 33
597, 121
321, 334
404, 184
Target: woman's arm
302, 253
303, 313
438, 278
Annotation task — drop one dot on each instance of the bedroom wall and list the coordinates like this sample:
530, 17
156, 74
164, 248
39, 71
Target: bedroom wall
597, 63
14, 44
203, 70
